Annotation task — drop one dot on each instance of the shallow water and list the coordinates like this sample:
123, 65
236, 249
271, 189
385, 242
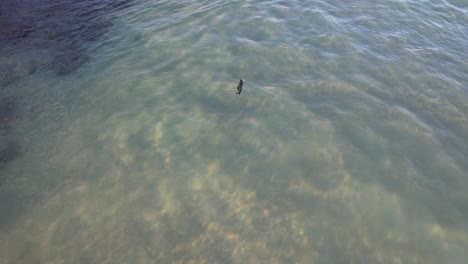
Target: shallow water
122, 139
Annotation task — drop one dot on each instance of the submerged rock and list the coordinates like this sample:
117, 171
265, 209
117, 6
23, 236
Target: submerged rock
69, 60
14, 27
94, 31
8, 153
10, 72
14, 32
8, 113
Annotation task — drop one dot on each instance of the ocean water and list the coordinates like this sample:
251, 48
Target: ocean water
122, 139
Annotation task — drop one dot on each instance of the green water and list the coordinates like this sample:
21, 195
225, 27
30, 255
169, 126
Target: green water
348, 143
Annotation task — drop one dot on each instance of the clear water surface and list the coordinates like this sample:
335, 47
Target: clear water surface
122, 139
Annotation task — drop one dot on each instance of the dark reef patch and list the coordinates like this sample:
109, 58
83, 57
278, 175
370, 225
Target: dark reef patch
8, 113
9, 149
12, 32
7, 154
62, 27
10, 72
69, 60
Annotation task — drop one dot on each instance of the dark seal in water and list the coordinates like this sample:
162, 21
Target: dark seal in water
239, 87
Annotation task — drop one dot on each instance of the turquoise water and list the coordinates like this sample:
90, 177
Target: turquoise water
122, 139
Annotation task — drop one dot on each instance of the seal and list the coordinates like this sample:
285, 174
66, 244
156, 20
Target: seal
239, 87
